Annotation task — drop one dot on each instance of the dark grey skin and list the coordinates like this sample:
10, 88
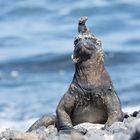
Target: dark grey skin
91, 96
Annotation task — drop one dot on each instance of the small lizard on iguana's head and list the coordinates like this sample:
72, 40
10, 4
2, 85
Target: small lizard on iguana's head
82, 29
81, 24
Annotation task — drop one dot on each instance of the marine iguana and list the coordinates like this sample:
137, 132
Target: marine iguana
91, 96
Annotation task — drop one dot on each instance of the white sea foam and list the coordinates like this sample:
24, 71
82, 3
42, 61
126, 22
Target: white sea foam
16, 125
131, 109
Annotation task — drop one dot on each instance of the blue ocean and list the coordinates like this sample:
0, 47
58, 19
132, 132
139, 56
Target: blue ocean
36, 43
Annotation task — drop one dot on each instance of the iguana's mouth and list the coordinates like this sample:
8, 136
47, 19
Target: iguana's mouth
83, 49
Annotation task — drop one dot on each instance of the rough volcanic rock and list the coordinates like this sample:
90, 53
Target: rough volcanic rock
129, 129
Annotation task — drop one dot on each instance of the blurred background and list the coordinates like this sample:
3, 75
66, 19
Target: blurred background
36, 42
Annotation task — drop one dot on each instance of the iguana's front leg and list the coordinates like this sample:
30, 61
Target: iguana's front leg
113, 106
63, 112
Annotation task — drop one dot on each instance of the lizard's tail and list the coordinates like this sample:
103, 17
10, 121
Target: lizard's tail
46, 120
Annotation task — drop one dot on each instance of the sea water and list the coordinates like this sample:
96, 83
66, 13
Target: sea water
36, 43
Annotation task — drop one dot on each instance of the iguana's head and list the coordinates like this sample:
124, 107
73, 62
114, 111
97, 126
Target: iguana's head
85, 49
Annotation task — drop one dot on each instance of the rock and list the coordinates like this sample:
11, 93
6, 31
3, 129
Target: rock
135, 113
15, 135
72, 136
129, 129
138, 115
121, 136
135, 129
93, 131
127, 122
117, 127
89, 126
44, 132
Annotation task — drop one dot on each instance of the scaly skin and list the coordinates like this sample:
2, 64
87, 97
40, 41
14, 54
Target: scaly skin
91, 96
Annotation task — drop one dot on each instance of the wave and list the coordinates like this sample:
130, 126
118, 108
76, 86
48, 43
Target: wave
40, 63
16, 125
113, 58
56, 62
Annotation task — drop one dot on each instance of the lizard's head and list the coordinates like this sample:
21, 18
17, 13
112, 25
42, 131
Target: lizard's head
86, 49
83, 19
